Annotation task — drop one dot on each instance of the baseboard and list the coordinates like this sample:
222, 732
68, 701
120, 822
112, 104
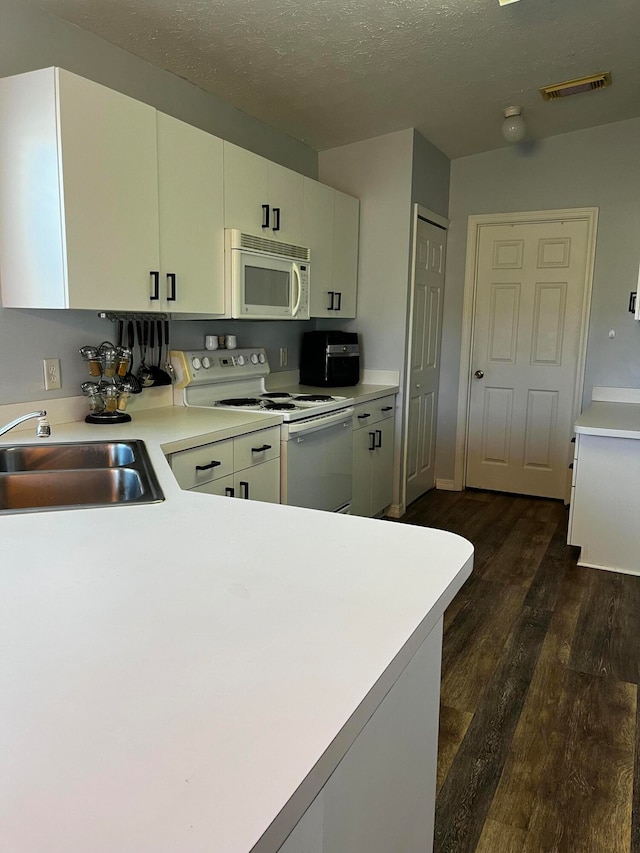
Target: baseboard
447, 486
396, 510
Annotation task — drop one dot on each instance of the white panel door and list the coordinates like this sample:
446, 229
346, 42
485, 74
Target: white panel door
426, 331
529, 293
191, 218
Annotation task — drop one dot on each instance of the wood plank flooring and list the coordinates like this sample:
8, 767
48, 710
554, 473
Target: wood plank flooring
540, 719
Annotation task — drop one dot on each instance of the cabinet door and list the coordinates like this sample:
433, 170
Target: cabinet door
191, 216
382, 467
286, 204
245, 190
260, 483
345, 253
317, 224
202, 464
363, 440
109, 169
223, 487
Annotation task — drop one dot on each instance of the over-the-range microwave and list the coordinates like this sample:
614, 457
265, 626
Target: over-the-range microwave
266, 279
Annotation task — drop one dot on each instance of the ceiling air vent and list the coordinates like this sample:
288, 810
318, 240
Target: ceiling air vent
575, 87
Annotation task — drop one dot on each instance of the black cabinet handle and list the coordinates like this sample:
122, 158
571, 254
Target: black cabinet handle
571, 466
229, 492
386, 408
276, 216
372, 436
265, 215
261, 449
339, 305
379, 437
155, 276
366, 415
573, 440
243, 483
332, 295
212, 464
171, 281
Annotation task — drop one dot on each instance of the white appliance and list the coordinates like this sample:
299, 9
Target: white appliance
266, 279
317, 429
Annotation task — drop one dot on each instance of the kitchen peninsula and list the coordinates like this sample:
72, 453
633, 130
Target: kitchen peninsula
172, 683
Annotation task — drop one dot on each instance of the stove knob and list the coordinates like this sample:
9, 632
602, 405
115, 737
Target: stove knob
240, 360
206, 362
262, 358
254, 358
197, 364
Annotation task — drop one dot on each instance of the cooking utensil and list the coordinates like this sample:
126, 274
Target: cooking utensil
130, 378
167, 365
144, 374
159, 375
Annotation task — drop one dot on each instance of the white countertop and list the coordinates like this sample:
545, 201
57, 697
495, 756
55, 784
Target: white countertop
616, 420
174, 674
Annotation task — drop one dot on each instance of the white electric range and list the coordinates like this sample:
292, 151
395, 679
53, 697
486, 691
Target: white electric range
316, 434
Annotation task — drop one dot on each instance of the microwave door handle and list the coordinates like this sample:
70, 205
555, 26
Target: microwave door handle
296, 273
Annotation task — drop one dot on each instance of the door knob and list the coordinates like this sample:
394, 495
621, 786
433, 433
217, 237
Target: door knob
479, 374
417, 384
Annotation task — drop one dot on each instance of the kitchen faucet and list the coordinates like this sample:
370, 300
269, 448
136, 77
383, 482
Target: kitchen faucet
43, 429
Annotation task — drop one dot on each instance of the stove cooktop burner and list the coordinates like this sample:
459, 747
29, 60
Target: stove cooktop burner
275, 406
314, 398
276, 395
240, 401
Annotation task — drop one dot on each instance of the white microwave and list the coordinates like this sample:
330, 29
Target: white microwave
266, 279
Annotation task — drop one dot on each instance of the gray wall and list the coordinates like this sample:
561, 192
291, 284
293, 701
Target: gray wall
30, 39
430, 176
378, 172
599, 167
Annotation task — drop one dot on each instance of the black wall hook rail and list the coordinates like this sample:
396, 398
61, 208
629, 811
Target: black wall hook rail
116, 316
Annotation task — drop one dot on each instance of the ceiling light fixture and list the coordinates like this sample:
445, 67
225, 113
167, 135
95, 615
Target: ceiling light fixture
513, 126
506, 2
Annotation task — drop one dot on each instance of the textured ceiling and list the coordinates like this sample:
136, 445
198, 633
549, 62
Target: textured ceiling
329, 72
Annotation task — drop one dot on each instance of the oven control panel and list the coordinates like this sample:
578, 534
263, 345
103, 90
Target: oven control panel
194, 367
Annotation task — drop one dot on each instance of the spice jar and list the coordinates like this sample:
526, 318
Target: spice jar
110, 398
123, 397
109, 360
90, 355
96, 400
123, 357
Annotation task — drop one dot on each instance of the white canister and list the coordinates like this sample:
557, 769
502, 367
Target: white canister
211, 342
231, 341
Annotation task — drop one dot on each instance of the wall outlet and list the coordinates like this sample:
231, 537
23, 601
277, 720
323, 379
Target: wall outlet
284, 356
51, 374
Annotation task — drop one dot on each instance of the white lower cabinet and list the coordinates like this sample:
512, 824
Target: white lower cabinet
373, 438
603, 514
381, 796
246, 467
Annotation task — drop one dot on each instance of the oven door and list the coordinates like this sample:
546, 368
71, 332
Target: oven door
316, 462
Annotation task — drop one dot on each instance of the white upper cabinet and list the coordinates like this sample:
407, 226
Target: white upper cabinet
108, 204
190, 181
105, 203
261, 197
78, 194
331, 223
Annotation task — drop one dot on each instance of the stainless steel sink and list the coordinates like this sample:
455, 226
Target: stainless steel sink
56, 457
67, 476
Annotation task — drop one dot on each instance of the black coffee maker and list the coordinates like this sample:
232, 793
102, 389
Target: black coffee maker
330, 359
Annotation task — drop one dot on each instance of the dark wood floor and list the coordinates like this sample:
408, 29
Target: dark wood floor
539, 746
